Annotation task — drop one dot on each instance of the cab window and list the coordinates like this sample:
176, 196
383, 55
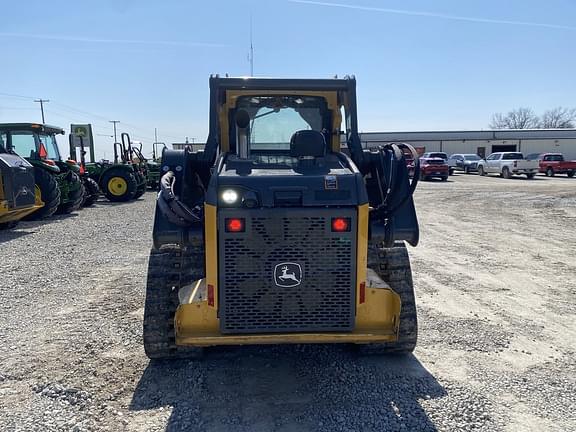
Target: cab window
23, 143
51, 146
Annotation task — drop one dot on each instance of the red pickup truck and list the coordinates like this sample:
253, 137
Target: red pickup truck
554, 163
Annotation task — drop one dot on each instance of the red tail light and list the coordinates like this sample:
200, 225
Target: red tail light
341, 224
235, 225
210, 295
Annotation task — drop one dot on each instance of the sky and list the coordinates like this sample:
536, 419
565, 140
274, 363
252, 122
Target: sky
419, 65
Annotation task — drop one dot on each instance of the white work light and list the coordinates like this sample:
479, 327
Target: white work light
229, 196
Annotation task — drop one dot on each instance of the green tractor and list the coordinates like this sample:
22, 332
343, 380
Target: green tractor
90, 185
61, 188
154, 172
123, 180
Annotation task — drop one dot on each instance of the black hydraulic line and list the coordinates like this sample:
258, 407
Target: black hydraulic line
175, 210
397, 154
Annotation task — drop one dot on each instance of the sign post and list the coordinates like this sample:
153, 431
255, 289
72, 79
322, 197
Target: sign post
84, 131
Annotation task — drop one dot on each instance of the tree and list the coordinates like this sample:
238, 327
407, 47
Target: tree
559, 118
520, 118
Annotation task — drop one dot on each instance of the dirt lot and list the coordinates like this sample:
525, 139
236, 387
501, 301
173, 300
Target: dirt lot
494, 275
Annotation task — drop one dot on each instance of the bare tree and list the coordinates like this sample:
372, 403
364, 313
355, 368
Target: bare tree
559, 118
520, 118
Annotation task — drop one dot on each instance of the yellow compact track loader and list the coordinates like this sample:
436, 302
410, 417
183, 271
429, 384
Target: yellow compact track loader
283, 229
19, 196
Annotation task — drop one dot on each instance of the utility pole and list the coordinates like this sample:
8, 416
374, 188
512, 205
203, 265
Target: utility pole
41, 101
114, 122
155, 142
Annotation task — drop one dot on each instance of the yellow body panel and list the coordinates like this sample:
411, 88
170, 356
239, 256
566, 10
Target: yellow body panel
211, 242
9, 215
362, 249
377, 320
233, 95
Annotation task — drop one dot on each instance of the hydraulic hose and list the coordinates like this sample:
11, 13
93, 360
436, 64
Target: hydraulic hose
175, 210
396, 154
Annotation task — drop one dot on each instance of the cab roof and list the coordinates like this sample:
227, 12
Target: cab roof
37, 127
250, 83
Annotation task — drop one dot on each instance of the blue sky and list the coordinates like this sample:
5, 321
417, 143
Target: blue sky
420, 65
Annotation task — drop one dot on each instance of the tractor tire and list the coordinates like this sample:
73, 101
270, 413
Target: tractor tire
140, 191
49, 194
92, 192
550, 172
75, 199
393, 266
168, 270
141, 185
118, 185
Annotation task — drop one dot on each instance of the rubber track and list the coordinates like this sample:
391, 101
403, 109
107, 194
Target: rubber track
168, 270
393, 266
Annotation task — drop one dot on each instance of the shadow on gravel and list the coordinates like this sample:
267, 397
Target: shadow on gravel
290, 388
105, 202
25, 228
12, 234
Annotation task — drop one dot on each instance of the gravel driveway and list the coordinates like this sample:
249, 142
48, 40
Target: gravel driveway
494, 276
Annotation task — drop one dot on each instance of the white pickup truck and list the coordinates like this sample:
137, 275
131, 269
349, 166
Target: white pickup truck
508, 164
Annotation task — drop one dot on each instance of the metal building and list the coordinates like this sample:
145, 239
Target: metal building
191, 146
482, 143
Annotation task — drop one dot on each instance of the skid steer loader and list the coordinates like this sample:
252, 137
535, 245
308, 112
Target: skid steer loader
272, 234
19, 196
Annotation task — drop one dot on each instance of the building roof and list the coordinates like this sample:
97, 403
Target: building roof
485, 135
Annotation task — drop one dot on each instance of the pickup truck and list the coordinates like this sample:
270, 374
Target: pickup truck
554, 163
508, 164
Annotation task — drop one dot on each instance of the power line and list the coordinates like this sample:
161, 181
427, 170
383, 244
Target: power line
16, 96
85, 114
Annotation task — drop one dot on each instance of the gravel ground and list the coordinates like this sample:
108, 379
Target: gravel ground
494, 275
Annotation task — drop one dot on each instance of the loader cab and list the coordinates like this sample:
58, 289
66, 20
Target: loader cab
279, 108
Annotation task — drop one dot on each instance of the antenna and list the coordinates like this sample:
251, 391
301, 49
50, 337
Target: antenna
251, 54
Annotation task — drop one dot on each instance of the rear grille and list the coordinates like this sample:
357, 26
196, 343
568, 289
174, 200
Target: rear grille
24, 188
287, 272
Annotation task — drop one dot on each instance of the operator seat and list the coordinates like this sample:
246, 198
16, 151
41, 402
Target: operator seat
307, 146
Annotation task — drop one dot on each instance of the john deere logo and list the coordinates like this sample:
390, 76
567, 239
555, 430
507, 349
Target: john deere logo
288, 274
80, 131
